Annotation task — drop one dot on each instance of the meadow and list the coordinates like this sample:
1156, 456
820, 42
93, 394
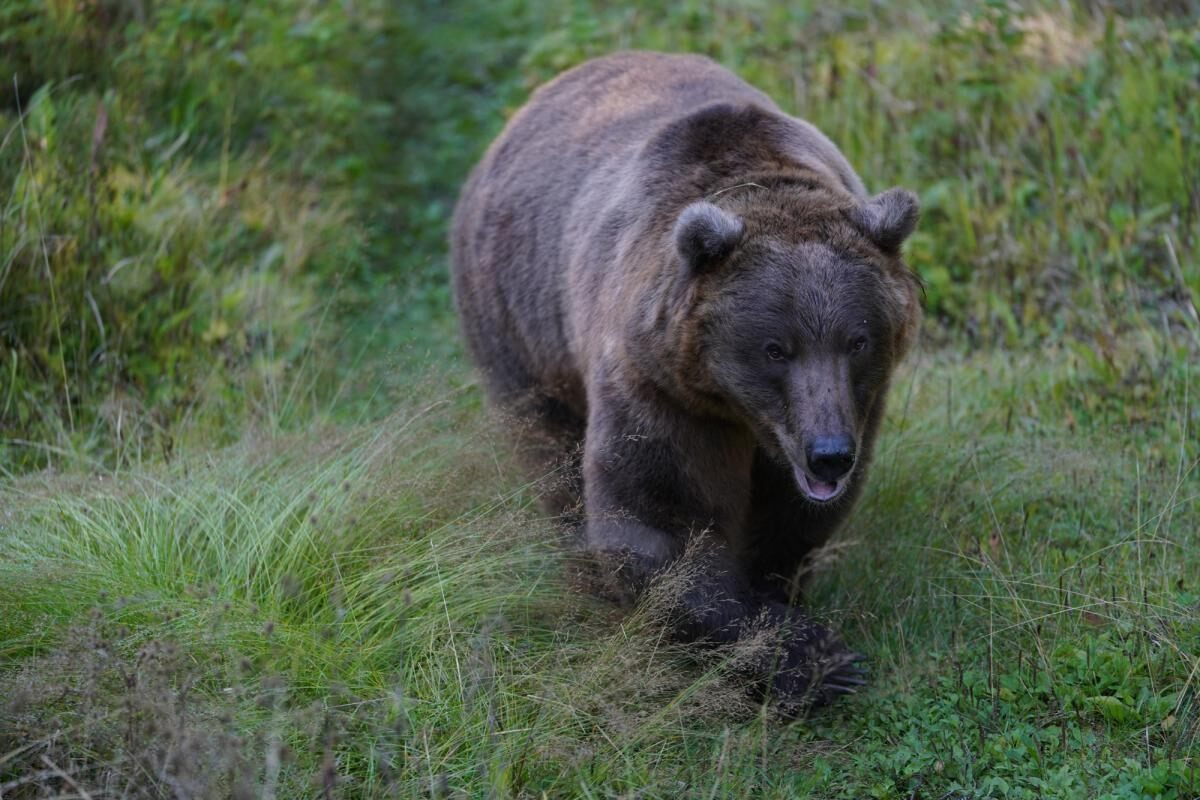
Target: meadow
259, 537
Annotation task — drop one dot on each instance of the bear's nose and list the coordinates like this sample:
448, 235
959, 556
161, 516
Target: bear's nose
830, 457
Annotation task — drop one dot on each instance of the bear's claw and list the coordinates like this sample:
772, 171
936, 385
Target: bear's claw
811, 679
845, 678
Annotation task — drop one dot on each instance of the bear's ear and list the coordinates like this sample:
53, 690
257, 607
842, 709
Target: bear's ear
705, 234
888, 218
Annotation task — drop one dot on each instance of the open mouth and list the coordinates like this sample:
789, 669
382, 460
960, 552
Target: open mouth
817, 490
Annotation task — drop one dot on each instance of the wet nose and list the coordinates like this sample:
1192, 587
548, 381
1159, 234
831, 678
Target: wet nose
830, 457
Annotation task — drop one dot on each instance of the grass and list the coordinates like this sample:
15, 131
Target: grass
384, 594
258, 538
181, 186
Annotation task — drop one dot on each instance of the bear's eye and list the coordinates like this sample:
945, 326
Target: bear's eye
858, 345
775, 352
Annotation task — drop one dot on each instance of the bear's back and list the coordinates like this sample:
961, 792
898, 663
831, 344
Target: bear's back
594, 166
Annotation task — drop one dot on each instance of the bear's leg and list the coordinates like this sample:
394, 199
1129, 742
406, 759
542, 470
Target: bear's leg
547, 433
707, 601
550, 444
645, 509
784, 529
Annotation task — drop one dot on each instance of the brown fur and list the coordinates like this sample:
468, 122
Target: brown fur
644, 227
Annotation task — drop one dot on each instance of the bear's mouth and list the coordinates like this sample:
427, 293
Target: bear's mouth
820, 491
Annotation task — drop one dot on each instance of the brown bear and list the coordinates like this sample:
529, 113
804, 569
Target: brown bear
687, 297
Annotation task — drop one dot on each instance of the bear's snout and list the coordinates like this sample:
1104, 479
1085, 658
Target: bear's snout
825, 472
830, 458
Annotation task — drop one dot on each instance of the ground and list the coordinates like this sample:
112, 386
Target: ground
252, 512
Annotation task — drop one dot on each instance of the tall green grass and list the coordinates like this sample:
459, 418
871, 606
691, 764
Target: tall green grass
179, 186
383, 600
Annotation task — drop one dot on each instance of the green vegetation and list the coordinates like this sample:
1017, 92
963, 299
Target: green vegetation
257, 537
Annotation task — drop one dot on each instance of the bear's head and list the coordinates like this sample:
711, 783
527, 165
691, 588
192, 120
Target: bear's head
800, 307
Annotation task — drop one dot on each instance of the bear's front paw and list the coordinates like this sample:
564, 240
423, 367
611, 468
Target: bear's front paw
815, 668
